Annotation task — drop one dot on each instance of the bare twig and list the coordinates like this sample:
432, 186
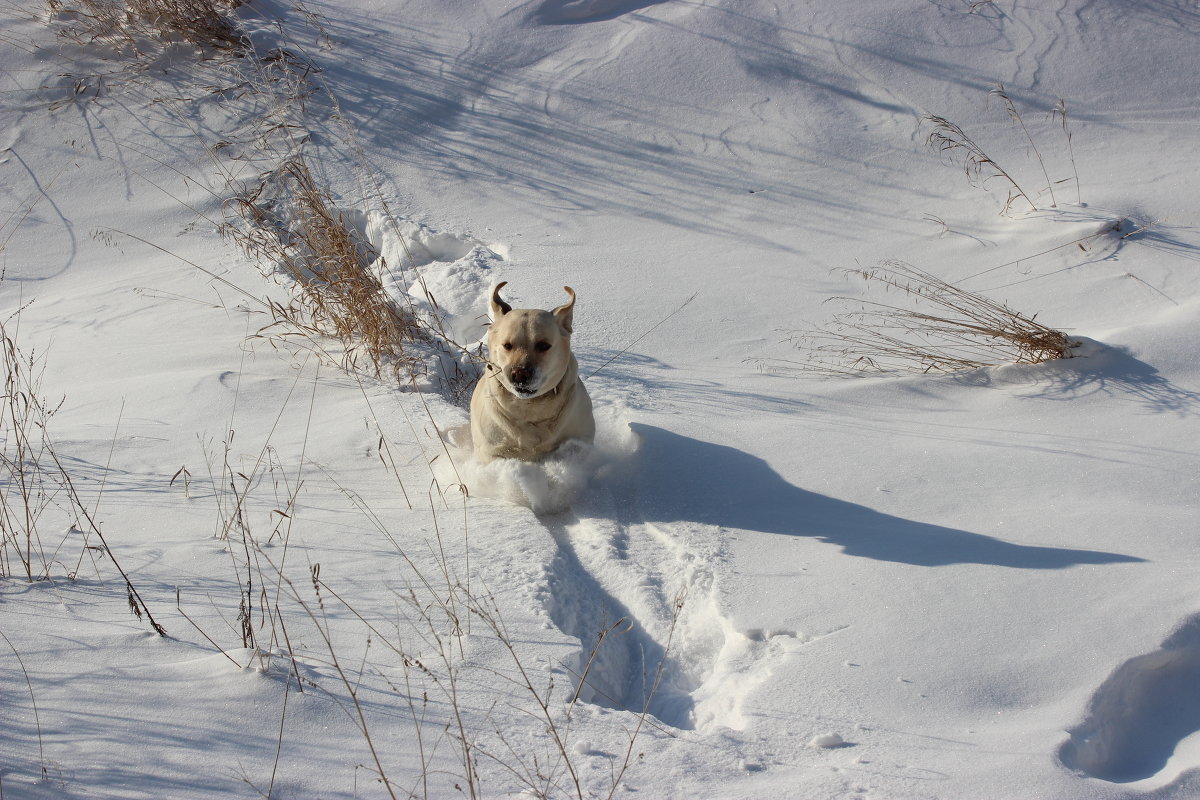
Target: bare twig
649, 331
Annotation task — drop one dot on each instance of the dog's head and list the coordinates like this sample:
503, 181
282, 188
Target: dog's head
529, 350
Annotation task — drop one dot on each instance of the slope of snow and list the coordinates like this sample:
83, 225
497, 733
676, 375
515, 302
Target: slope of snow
927, 586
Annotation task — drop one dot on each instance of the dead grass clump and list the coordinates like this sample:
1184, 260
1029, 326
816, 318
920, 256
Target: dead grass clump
293, 222
127, 25
284, 218
934, 327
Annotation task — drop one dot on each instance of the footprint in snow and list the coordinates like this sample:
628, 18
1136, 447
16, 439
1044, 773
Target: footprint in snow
640, 596
668, 647
1143, 722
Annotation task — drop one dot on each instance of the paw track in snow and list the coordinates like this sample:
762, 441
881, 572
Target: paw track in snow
1142, 722
649, 586
668, 648
405, 243
620, 670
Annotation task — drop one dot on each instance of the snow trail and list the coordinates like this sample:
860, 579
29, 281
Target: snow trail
641, 597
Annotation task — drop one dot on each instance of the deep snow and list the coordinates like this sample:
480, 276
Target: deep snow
979, 585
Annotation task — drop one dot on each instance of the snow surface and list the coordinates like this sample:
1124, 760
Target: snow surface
980, 585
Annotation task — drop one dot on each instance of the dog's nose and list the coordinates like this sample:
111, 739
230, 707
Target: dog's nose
520, 375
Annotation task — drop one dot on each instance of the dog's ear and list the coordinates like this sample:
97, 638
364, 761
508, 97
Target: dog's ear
565, 313
497, 306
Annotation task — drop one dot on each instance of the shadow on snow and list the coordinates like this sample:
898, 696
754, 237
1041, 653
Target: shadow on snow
702, 482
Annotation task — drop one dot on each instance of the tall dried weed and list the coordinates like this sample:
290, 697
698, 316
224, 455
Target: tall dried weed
36, 489
954, 145
1000, 93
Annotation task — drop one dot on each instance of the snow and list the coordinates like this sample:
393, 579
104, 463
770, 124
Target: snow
826, 741
979, 584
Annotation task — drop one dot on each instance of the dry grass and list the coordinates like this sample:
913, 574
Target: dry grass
288, 223
284, 217
129, 25
292, 223
291, 226
37, 722
1059, 112
37, 491
935, 327
1000, 93
419, 647
27, 488
954, 145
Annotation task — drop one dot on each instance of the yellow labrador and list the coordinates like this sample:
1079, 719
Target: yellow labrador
531, 399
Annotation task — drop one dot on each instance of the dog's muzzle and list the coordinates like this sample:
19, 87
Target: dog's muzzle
523, 381
520, 376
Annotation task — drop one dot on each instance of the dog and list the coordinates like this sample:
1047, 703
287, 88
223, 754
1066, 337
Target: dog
530, 400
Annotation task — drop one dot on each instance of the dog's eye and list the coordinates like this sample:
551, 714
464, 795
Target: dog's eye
542, 346
508, 345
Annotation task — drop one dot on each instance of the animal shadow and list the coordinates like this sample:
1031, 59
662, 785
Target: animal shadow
697, 481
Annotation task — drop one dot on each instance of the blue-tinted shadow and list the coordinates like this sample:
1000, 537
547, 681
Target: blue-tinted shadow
688, 480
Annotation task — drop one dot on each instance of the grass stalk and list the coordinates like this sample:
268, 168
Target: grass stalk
1060, 112
36, 477
951, 143
37, 722
1010, 107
